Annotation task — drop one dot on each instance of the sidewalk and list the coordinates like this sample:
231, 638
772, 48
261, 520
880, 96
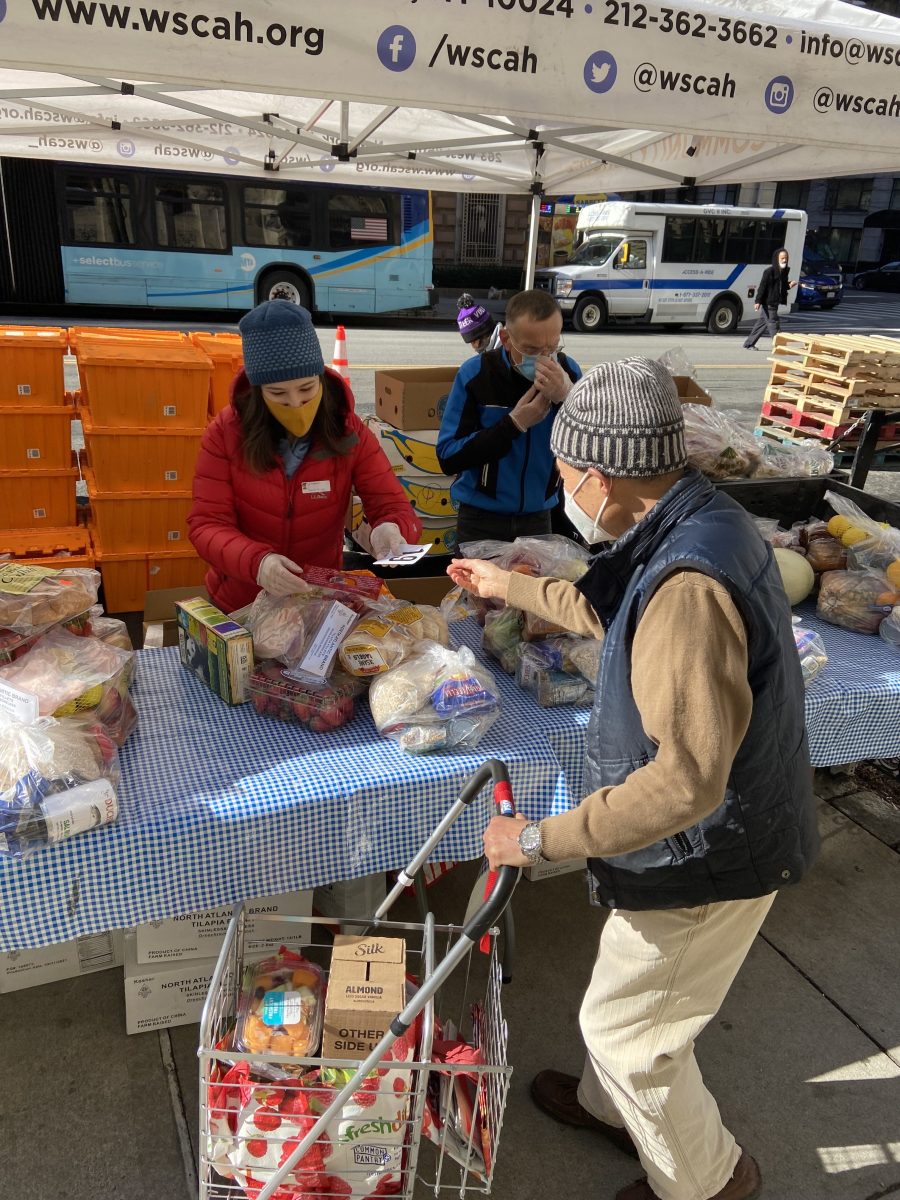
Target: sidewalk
804, 1058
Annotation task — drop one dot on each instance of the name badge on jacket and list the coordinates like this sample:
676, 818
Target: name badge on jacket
316, 489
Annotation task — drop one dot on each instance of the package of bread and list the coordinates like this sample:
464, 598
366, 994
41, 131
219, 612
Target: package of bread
34, 597
383, 640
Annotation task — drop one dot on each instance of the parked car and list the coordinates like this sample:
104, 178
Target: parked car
885, 278
821, 284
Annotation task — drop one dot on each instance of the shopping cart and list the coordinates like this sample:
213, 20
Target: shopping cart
280, 1128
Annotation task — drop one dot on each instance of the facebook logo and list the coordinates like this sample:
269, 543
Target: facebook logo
396, 48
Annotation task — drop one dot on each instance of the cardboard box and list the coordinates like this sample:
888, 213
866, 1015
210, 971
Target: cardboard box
215, 648
427, 589
67, 960
166, 993
548, 870
690, 391
366, 990
413, 398
410, 452
200, 934
160, 618
429, 495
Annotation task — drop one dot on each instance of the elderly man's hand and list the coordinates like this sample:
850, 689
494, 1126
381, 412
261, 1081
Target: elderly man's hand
551, 380
480, 577
501, 846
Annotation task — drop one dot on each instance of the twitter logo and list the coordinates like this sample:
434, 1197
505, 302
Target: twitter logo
600, 71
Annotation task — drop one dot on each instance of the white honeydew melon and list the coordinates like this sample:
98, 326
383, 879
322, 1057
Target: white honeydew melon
797, 575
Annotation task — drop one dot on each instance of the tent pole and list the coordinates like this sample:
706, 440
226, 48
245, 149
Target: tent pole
531, 252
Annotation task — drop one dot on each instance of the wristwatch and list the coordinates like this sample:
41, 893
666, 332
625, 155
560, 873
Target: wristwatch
529, 840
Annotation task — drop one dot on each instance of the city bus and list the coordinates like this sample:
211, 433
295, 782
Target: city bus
94, 234
670, 263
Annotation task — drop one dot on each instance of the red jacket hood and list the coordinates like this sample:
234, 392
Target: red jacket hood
241, 383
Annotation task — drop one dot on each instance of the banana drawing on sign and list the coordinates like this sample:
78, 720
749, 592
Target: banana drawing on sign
421, 456
429, 501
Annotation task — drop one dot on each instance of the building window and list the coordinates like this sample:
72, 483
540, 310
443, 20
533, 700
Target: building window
98, 209
277, 217
848, 195
191, 216
792, 195
481, 230
357, 219
841, 245
895, 195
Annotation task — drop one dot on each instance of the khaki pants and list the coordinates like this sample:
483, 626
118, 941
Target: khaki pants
659, 978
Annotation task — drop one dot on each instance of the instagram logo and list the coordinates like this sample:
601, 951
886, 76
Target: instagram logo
779, 94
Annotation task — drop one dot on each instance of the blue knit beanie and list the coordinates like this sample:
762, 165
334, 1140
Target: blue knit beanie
279, 343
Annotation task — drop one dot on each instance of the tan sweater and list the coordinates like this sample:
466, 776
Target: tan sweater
689, 679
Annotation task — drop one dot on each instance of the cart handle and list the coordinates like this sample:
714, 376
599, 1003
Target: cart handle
491, 769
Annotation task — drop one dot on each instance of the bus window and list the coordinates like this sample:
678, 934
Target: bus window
357, 219
678, 242
739, 245
632, 256
710, 240
191, 216
98, 209
770, 237
277, 217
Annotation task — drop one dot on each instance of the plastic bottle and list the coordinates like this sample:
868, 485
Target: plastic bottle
58, 816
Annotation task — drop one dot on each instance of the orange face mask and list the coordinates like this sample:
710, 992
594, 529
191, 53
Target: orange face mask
297, 421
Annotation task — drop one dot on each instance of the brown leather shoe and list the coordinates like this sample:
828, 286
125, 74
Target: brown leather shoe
744, 1184
557, 1095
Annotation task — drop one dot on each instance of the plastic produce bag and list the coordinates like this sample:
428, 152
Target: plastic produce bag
57, 779
382, 640
889, 629
793, 459
303, 632
501, 637
811, 648
677, 362
872, 544
438, 699
852, 599
78, 676
34, 598
717, 445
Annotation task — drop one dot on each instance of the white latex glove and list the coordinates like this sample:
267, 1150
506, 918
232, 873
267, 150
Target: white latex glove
386, 540
279, 576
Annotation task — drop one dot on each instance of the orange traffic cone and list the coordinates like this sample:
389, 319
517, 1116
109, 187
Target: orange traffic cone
339, 361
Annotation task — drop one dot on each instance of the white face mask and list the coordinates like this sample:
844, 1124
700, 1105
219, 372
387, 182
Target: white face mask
590, 530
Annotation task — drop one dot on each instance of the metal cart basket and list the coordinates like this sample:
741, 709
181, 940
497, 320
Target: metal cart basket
275, 1127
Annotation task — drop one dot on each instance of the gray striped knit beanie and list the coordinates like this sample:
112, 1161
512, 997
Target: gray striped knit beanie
624, 418
279, 343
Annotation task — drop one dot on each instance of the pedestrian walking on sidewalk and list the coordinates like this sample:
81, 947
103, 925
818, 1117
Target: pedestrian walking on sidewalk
773, 290
699, 802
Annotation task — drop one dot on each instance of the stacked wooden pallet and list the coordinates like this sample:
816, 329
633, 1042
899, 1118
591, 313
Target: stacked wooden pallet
822, 385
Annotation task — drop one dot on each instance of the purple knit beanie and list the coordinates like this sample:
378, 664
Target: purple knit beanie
473, 319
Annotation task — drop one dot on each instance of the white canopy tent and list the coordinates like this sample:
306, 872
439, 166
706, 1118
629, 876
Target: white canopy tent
539, 96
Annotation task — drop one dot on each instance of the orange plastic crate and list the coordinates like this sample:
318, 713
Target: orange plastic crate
36, 438
135, 385
31, 365
126, 460
48, 547
82, 333
128, 577
44, 499
135, 521
225, 352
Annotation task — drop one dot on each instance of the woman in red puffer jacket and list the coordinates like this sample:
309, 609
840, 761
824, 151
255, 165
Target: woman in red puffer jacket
277, 467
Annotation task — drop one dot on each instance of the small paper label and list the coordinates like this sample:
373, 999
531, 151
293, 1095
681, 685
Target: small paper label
282, 1008
174, 535
405, 557
170, 476
334, 628
408, 615
24, 389
316, 485
33, 453
21, 706
170, 410
39, 514
366, 660
18, 579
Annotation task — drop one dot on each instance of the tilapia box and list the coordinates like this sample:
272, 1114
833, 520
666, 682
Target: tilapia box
365, 993
215, 648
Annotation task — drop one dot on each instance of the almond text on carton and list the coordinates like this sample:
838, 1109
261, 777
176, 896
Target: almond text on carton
365, 992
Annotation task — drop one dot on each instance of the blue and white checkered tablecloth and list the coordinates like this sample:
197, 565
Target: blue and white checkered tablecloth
219, 803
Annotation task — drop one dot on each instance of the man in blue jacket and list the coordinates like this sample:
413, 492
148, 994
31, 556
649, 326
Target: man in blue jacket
495, 432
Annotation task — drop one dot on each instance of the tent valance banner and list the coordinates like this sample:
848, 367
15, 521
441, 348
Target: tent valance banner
549, 96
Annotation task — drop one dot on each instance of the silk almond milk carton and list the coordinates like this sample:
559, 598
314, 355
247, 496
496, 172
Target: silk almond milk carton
365, 992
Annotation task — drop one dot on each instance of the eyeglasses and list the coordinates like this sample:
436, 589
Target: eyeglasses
537, 352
